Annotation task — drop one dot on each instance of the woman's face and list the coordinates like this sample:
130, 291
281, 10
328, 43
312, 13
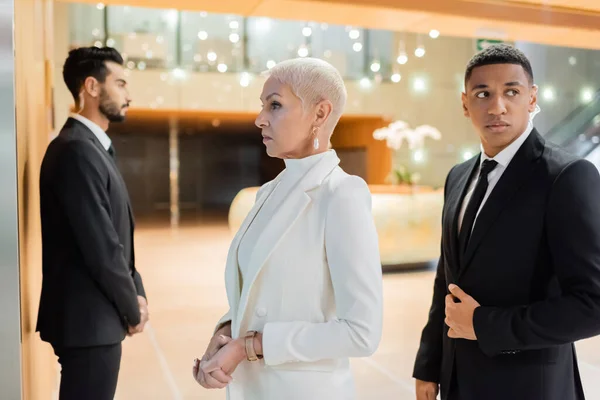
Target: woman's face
287, 129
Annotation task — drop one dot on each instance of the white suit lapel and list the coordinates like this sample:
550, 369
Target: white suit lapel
295, 199
232, 266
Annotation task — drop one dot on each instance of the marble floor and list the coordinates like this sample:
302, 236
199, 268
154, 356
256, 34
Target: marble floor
183, 274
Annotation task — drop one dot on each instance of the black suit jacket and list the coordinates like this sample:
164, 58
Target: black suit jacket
90, 284
533, 263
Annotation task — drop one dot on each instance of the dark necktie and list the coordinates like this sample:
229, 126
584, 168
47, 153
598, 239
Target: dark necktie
111, 151
474, 204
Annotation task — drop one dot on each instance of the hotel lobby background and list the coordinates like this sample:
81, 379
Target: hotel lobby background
191, 155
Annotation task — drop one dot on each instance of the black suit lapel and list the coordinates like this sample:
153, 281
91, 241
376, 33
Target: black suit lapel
125, 193
83, 130
517, 173
113, 162
454, 201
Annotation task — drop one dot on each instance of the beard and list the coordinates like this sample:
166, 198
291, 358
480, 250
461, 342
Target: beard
110, 109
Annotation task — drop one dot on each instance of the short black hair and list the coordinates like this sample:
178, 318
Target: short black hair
499, 54
84, 62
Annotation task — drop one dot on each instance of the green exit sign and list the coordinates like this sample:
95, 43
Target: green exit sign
483, 44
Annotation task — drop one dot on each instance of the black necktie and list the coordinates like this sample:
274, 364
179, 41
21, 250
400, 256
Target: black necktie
474, 204
111, 151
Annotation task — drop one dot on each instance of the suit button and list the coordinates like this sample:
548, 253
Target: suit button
261, 312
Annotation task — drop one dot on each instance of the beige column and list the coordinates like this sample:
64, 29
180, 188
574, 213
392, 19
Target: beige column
174, 170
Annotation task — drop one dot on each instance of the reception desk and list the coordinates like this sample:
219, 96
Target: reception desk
407, 219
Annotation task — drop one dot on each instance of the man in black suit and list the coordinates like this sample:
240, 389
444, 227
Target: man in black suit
518, 279
92, 294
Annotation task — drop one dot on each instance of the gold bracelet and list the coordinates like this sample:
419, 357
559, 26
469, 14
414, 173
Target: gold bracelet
250, 352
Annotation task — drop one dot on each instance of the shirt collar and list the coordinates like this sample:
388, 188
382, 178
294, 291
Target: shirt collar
96, 130
505, 156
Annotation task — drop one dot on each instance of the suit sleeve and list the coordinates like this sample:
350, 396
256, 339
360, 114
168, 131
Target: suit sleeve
225, 319
81, 189
352, 250
573, 234
428, 362
137, 278
139, 284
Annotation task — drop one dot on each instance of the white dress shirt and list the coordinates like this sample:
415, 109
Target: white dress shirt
503, 159
96, 130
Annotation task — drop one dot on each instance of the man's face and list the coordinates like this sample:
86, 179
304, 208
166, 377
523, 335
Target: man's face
114, 96
498, 99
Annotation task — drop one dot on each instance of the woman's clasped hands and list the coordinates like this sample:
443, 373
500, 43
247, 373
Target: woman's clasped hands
221, 358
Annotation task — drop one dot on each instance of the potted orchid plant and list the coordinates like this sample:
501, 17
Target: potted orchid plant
395, 134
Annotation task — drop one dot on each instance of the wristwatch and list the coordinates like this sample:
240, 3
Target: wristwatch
249, 341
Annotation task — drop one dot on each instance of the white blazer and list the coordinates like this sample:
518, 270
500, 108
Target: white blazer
313, 287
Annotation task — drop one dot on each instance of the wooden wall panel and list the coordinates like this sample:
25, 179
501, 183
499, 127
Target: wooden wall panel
33, 81
357, 132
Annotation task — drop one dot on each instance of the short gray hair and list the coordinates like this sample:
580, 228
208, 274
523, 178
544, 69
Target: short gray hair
313, 80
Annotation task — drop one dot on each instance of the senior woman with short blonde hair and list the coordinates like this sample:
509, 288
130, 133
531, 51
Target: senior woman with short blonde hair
303, 273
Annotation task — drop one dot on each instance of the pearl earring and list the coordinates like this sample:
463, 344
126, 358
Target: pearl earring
316, 143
